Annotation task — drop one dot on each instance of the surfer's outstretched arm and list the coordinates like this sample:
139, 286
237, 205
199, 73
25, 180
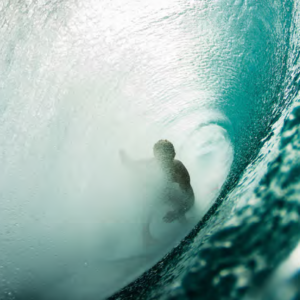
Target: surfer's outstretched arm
125, 159
133, 164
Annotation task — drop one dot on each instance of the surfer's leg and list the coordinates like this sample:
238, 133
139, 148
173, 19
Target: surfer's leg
147, 237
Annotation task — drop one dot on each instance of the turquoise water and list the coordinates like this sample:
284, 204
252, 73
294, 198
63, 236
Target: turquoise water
82, 80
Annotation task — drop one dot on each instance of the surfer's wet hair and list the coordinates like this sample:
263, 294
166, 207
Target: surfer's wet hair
164, 148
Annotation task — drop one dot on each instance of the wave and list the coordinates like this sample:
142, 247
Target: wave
82, 81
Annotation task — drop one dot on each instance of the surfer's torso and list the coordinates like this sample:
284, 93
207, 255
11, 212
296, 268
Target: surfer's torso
168, 178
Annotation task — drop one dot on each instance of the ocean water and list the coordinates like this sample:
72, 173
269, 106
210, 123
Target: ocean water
82, 80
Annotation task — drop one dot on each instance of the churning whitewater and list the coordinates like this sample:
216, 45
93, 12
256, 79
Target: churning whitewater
82, 81
78, 87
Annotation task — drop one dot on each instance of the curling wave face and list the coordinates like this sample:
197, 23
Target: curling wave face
78, 86
237, 250
81, 81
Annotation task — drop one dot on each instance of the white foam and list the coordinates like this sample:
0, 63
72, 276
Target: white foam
69, 213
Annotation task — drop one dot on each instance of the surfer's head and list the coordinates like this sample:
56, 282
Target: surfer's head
164, 150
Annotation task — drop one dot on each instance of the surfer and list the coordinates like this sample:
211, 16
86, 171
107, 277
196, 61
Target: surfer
174, 172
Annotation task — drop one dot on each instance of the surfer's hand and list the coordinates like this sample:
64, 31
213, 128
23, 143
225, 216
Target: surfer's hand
124, 157
171, 216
